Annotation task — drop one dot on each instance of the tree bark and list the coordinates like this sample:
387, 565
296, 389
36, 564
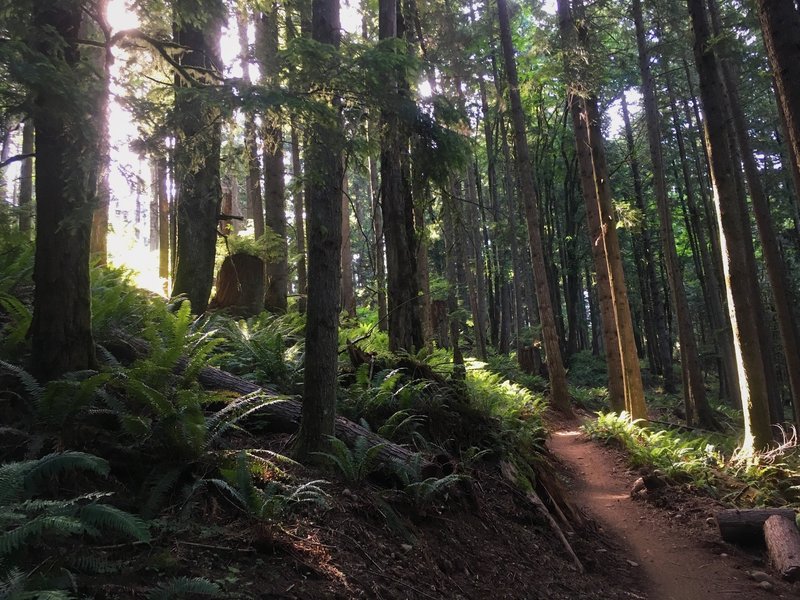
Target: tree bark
653, 306
783, 544
405, 326
741, 284
780, 25
298, 201
197, 160
66, 145
277, 266
25, 201
694, 393
348, 291
558, 382
324, 160
255, 205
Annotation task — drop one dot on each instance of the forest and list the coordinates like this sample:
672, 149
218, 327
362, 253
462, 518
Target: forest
398, 299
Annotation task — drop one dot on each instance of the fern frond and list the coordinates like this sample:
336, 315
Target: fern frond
158, 484
107, 517
28, 381
13, 540
184, 587
221, 421
19, 479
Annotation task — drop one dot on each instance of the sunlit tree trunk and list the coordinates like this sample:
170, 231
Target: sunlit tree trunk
741, 284
324, 208
67, 148
197, 157
101, 59
558, 383
719, 321
776, 269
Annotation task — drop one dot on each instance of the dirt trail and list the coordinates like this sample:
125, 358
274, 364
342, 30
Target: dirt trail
677, 552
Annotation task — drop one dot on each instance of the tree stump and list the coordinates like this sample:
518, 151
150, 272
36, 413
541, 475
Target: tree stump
747, 526
783, 544
240, 285
530, 361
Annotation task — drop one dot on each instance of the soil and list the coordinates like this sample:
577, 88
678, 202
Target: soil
484, 541
668, 534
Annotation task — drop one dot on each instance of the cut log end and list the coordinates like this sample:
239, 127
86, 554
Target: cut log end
783, 543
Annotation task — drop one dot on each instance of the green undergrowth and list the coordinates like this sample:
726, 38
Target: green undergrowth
707, 461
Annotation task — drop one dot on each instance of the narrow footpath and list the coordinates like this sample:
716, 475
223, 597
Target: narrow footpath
677, 548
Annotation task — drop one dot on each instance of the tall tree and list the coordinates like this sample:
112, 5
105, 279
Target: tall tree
558, 381
25, 201
274, 188
780, 25
255, 204
197, 147
694, 391
740, 280
64, 96
405, 325
324, 206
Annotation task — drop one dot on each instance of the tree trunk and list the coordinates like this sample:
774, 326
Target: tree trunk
377, 232
101, 60
652, 303
405, 326
741, 284
719, 322
776, 269
558, 382
348, 292
25, 201
240, 286
197, 162
324, 160
277, 266
255, 205
780, 25
299, 219
694, 393
66, 145
747, 526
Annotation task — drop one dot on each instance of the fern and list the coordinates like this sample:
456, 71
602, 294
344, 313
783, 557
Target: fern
109, 518
228, 417
34, 389
356, 464
21, 317
184, 587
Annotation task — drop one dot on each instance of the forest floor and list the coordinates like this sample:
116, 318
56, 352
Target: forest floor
668, 535
484, 542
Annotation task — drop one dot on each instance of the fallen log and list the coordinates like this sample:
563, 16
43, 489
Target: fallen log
783, 544
283, 415
512, 475
747, 526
